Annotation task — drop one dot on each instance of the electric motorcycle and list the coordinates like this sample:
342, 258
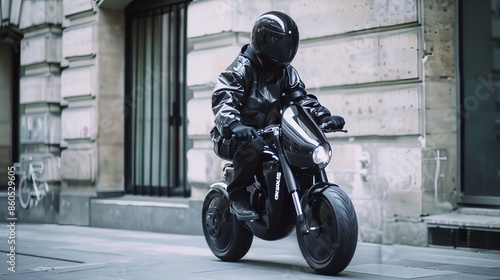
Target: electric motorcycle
291, 192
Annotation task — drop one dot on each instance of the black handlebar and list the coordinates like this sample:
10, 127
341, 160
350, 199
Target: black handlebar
335, 130
270, 128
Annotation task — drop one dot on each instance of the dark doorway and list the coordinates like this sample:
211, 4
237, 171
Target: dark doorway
9, 101
155, 95
479, 60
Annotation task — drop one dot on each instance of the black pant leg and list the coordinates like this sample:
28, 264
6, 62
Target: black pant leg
245, 161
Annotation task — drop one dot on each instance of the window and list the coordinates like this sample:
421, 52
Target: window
155, 99
479, 60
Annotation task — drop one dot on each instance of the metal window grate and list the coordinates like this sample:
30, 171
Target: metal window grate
155, 131
464, 237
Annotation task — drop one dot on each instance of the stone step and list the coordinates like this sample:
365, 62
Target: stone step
465, 220
167, 215
479, 211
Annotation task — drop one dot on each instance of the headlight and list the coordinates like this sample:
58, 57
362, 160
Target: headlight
322, 154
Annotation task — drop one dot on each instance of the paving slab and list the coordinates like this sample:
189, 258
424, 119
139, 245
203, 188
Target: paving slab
46, 251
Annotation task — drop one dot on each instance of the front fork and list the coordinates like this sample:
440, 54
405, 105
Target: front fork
293, 189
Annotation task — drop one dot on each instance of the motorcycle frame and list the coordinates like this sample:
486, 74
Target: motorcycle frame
318, 183
293, 188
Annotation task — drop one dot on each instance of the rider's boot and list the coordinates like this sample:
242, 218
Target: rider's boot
243, 210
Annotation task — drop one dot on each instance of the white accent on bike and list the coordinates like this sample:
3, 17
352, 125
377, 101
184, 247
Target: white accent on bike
277, 189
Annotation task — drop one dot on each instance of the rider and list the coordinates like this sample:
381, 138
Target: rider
250, 94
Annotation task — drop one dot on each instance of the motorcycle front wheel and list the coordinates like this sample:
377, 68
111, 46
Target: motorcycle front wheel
331, 244
226, 237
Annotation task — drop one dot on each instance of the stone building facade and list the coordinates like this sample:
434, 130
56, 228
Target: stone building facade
393, 69
368, 61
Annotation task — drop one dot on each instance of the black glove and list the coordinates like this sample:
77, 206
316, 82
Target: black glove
332, 122
243, 132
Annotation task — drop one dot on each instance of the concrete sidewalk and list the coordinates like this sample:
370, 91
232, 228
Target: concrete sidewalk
44, 251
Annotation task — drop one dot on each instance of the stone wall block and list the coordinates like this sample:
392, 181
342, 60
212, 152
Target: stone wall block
111, 121
111, 172
45, 88
441, 121
40, 128
49, 163
403, 203
73, 7
78, 82
204, 66
36, 12
399, 168
44, 48
204, 167
440, 95
442, 138
78, 165
78, 123
438, 168
217, 16
111, 59
200, 117
413, 233
79, 41
345, 167
390, 111
362, 59
439, 38
370, 220
318, 18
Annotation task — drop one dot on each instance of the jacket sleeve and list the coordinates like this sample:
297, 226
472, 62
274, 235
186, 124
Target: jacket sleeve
294, 91
227, 97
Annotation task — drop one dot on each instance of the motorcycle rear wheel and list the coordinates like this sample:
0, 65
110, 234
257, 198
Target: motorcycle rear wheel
329, 249
226, 237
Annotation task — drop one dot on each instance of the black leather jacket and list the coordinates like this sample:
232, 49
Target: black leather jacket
249, 94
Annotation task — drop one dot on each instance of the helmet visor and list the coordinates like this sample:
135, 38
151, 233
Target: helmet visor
280, 48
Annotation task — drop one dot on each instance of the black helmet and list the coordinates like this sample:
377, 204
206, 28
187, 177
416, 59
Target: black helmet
275, 39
